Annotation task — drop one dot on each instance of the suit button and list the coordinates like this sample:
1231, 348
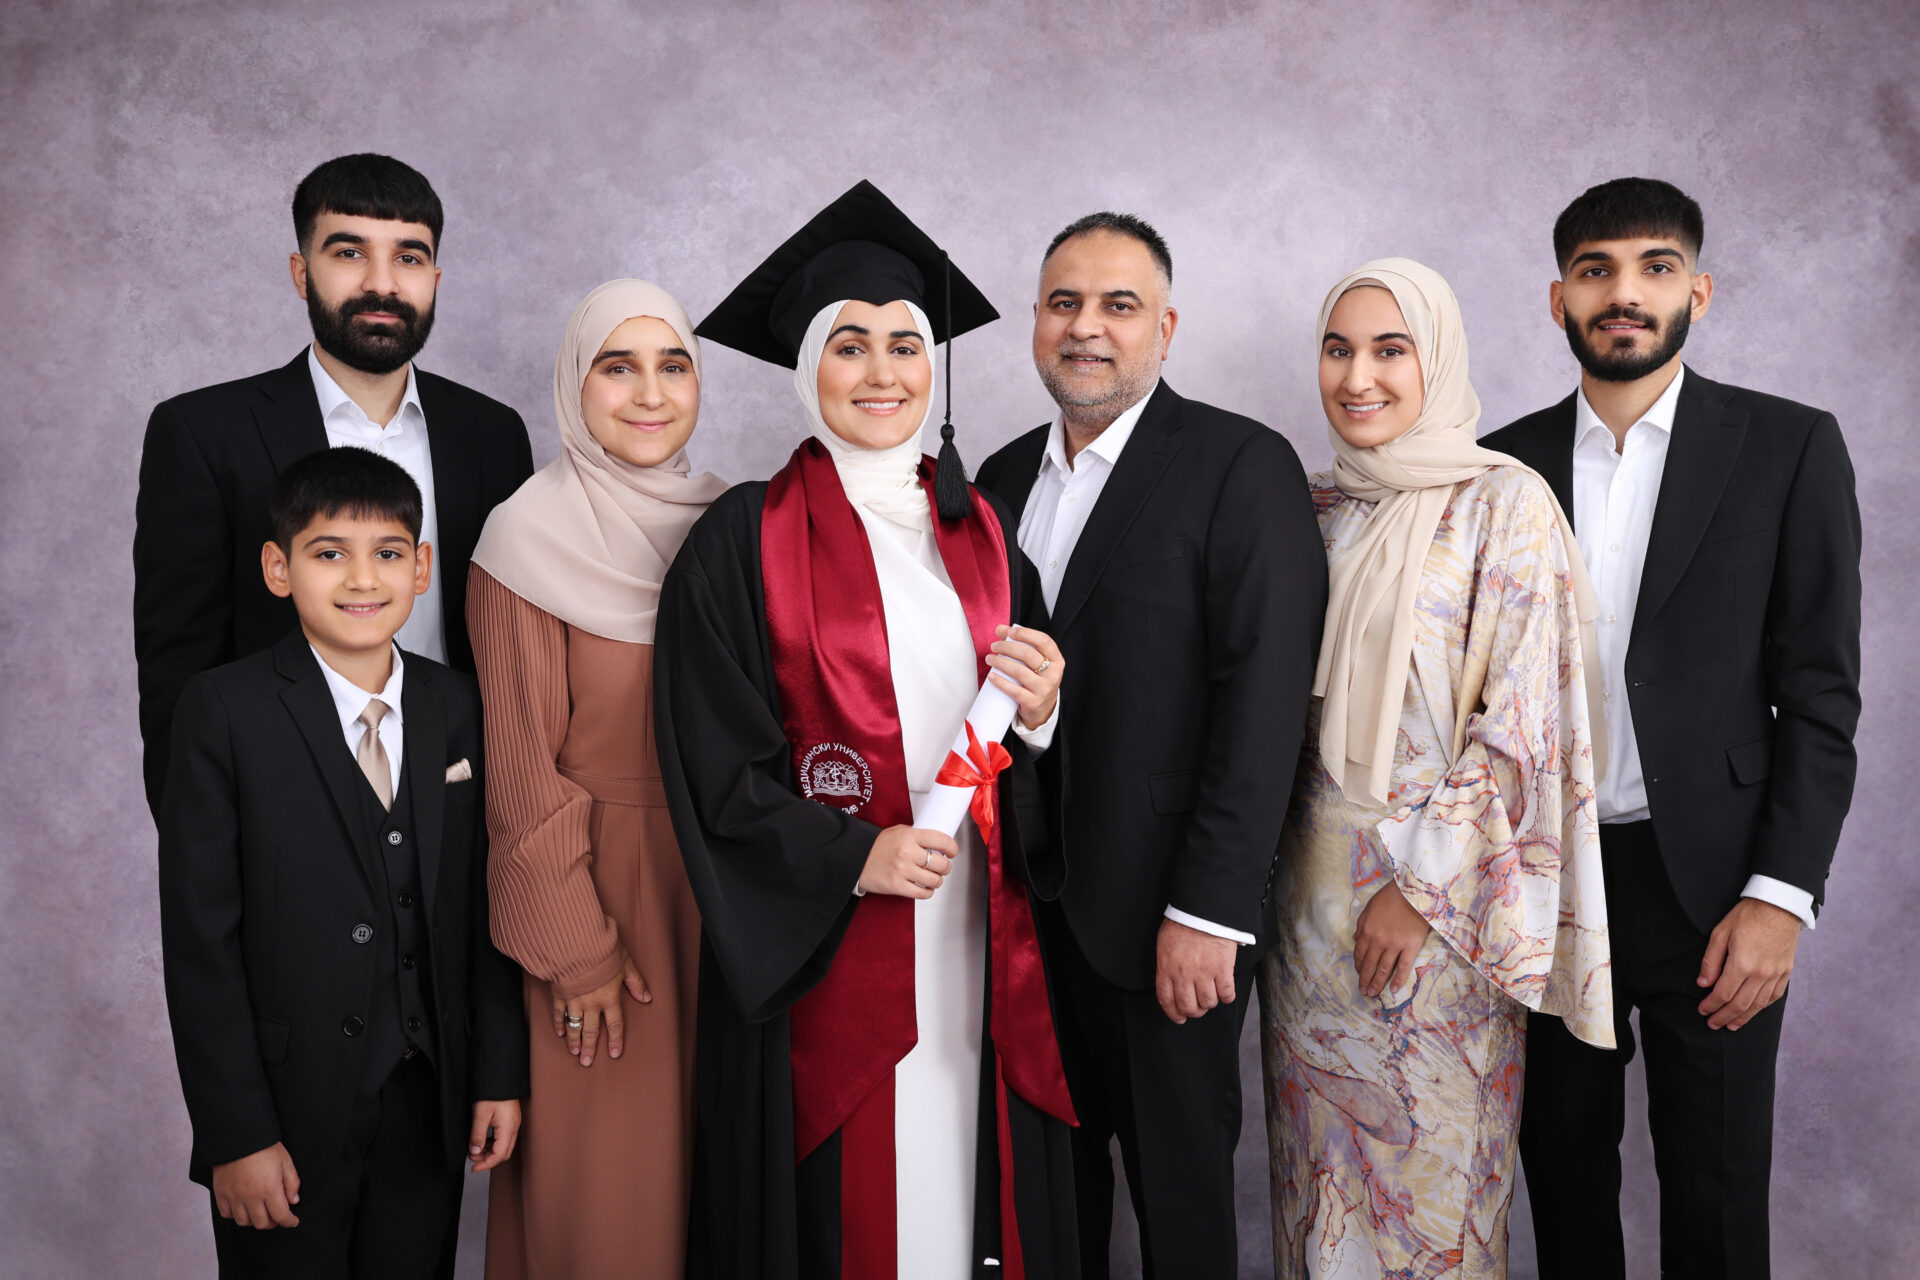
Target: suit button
406, 962
363, 933
406, 900
413, 1025
393, 837
353, 1026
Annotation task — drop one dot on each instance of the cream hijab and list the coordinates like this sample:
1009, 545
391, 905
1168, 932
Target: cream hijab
1366, 651
883, 481
588, 537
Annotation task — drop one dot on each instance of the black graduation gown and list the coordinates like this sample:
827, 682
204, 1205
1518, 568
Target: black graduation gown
773, 874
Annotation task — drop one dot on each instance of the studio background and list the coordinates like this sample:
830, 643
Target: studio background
151, 151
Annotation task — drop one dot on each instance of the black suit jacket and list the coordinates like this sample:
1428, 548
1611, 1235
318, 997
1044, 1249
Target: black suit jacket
1743, 670
268, 868
1190, 616
206, 469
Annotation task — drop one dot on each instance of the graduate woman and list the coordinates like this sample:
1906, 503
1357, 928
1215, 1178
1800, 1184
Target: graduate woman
879, 1087
1441, 863
587, 890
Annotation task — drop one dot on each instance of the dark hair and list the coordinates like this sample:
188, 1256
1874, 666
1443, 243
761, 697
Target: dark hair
1125, 224
355, 482
365, 186
1626, 208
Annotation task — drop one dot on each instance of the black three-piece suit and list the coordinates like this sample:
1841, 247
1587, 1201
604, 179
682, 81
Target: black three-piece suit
207, 466
330, 978
1189, 616
1743, 675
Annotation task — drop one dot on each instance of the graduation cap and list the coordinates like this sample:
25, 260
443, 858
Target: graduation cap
859, 247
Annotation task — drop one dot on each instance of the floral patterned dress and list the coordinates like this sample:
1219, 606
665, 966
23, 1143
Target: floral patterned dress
1392, 1120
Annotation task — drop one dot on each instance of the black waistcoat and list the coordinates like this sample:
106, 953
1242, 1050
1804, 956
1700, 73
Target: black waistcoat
401, 1015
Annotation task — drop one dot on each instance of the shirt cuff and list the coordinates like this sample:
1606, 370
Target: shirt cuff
1038, 740
1782, 895
1178, 916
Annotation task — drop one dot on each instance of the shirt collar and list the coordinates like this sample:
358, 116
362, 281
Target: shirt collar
1106, 446
333, 399
1659, 414
349, 699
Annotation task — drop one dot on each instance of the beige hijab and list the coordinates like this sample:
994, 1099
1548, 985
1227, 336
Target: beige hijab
1366, 651
588, 537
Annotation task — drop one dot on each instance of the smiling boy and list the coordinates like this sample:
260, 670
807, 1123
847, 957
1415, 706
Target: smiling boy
345, 1030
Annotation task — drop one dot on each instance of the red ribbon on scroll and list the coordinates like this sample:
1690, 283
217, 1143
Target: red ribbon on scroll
977, 769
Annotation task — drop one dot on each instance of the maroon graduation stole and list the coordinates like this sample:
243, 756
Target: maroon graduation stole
829, 637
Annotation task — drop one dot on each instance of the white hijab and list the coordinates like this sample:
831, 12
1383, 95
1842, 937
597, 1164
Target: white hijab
885, 482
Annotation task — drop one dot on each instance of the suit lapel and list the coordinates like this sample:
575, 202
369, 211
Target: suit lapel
1707, 435
1154, 442
1554, 449
1023, 461
424, 715
456, 474
310, 703
289, 419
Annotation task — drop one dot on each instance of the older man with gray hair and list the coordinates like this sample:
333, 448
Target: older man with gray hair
1183, 569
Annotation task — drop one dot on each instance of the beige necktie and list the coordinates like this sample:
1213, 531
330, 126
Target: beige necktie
372, 755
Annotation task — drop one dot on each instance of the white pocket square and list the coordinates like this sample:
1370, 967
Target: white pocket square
459, 771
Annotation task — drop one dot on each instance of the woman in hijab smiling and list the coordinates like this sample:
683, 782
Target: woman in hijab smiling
1443, 848
880, 1089
588, 892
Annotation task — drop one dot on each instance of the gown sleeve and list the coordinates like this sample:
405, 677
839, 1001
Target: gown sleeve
1502, 856
773, 872
546, 913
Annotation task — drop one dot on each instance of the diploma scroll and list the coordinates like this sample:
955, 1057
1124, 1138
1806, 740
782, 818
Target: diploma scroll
946, 806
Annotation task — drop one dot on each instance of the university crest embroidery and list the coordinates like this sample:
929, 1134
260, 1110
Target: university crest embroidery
834, 774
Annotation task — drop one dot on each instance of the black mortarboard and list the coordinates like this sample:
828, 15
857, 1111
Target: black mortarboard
861, 247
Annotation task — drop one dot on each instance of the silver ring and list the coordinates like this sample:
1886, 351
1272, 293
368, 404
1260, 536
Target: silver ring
926, 859
1045, 662
575, 1021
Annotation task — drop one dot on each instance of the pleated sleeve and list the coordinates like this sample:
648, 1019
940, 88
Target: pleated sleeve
546, 913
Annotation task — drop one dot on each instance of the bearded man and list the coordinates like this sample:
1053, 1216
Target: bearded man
367, 232
1722, 534
1182, 565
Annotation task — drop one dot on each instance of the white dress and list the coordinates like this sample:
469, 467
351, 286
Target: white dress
937, 1085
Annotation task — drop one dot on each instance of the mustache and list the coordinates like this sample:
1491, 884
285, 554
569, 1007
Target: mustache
1631, 314
393, 304
1069, 349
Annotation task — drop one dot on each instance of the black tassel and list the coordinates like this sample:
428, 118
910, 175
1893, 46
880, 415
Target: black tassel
950, 492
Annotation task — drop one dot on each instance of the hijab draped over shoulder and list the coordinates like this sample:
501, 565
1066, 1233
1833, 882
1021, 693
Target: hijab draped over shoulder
588, 537
1366, 651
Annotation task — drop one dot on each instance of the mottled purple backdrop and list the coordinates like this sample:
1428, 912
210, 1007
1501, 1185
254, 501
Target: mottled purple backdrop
151, 150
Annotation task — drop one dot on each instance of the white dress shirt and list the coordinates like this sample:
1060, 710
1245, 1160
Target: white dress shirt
1614, 494
350, 700
402, 440
1062, 498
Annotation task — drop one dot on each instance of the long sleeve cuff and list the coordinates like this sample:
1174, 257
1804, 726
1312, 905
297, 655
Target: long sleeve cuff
1782, 895
1038, 740
1178, 916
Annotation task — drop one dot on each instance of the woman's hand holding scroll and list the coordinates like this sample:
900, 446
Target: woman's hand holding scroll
1028, 665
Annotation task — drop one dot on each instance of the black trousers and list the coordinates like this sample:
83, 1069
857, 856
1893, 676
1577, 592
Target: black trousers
1171, 1094
385, 1210
1709, 1099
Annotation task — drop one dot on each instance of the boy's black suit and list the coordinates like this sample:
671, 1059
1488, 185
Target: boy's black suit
1190, 616
208, 464
1743, 679
276, 882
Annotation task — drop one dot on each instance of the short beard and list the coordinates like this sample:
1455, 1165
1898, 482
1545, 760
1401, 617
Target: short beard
1079, 407
1608, 366
358, 347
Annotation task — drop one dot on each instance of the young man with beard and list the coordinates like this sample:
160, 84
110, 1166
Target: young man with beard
1723, 537
367, 232
1182, 565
